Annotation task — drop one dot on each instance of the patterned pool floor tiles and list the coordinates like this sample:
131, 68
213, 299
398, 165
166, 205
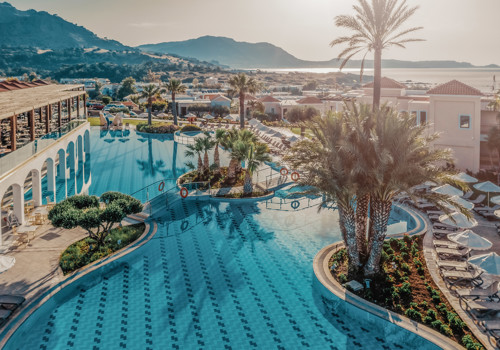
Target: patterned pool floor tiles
231, 279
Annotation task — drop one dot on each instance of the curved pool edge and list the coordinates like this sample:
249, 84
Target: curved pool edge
11, 327
323, 275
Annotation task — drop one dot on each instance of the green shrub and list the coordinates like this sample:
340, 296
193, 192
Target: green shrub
405, 290
414, 305
413, 314
470, 344
405, 267
444, 329
436, 324
414, 249
405, 256
442, 308
384, 257
432, 314
424, 304
190, 127
342, 278
456, 324
157, 128
421, 271
390, 251
428, 320
399, 308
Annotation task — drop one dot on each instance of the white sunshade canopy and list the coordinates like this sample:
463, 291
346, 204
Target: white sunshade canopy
228, 117
487, 186
464, 203
458, 220
495, 200
254, 122
162, 115
489, 263
143, 115
464, 177
208, 116
6, 262
448, 190
471, 240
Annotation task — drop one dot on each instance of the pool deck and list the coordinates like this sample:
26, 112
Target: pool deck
36, 269
485, 229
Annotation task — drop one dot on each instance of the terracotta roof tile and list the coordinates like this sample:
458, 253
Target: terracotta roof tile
454, 87
387, 83
309, 100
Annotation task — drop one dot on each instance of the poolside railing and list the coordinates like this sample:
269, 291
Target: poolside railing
153, 190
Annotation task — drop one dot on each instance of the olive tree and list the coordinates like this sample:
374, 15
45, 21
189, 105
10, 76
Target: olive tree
85, 211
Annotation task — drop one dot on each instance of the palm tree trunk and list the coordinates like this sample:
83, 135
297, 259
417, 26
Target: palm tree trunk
174, 109
231, 169
302, 130
347, 222
377, 78
217, 157
242, 111
361, 221
248, 186
206, 162
200, 163
380, 217
150, 106
174, 161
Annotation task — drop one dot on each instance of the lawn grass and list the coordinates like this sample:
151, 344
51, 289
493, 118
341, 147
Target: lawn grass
95, 121
405, 286
84, 252
308, 133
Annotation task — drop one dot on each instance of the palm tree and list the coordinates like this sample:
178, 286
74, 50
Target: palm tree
254, 155
364, 159
195, 149
149, 92
175, 87
242, 85
219, 136
376, 27
208, 144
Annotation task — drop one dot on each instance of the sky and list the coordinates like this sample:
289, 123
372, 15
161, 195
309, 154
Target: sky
459, 30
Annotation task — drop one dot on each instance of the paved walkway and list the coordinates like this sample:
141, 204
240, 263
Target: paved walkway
485, 229
37, 265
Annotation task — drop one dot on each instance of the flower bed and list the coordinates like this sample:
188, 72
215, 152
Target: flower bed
190, 127
84, 252
157, 128
405, 286
216, 179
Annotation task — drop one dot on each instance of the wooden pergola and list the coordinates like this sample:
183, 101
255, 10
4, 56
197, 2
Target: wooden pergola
42, 101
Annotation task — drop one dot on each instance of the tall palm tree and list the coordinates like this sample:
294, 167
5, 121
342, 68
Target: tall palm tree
208, 144
220, 134
175, 86
376, 26
241, 85
149, 92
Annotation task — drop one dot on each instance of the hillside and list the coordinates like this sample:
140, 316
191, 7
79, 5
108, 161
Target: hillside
237, 54
45, 31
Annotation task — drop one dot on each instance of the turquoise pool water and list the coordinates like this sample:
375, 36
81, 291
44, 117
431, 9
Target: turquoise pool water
217, 275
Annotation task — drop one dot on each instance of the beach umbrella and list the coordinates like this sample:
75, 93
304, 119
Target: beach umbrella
293, 138
464, 177
487, 187
489, 263
470, 239
6, 262
254, 122
208, 116
228, 117
143, 115
448, 190
458, 220
464, 203
162, 115
495, 200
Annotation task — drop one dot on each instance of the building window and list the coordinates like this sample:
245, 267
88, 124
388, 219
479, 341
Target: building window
422, 118
464, 122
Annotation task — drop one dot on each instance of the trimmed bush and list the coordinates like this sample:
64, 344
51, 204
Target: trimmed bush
157, 128
413, 314
190, 127
470, 344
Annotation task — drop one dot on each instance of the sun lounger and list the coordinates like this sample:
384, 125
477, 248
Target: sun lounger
11, 301
441, 226
486, 209
478, 200
468, 195
454, 276
445, 253
453, 265
491, 326
446, 244
483, 307
480, 293
4, 315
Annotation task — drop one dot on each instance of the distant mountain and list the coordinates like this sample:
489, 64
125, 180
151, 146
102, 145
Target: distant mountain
238, 54
45, 31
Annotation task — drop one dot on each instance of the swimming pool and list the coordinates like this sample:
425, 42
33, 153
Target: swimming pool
217, 275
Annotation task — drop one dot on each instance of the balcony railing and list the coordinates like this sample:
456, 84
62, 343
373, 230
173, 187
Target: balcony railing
13, 159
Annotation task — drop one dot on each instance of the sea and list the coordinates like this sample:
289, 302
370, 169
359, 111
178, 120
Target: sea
484, 79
